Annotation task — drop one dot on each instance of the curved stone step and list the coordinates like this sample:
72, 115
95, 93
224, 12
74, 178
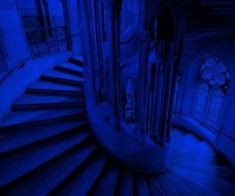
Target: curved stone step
196, 187
76, 61
39, 99
167, 189
190, 147
71, 66
188, 141
23, 137
177, 134
63, 81
154, 187
218, 185
69, 69
195, 157
107, 181
63, 75
20, 119
178, 185
48, 106
223, 172
16, 165
47, 178
50, 85
53, 92
125, 183
140, 185
82, 180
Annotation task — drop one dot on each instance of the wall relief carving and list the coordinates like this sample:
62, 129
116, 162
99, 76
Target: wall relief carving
214, 73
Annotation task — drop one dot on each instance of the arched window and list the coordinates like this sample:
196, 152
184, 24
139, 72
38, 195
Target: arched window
210, 92
215, 105
200, 99
44, 26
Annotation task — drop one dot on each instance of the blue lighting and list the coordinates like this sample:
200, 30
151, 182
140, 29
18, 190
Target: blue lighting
112, 97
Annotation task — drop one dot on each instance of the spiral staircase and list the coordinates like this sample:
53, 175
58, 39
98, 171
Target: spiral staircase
47, 148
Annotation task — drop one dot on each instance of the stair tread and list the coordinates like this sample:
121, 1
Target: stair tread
178, 185
225, 173
84, 180
35, 99
18, 164
125, 183
188, 140
198, 148
63, 75
22, 117
192, 157
177, 134
106, 184
54, 92
71, 66
20, 137
141, 186
54, 86
194, 186
213, 183
76, 60
77, 57
154, 187
46, 179
48, 106
166, 188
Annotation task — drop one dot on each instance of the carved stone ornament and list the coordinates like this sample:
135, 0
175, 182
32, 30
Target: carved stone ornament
214, 72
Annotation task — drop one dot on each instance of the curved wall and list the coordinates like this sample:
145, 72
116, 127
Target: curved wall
221, 136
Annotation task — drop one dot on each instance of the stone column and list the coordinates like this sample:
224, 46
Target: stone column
72, 23
112, 12
174, 65
170, 71
143, 60
142, 83
157, 99
98, 42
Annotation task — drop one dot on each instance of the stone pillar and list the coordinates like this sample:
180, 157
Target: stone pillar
13, 40
98, 42
143, 60
170, 74
112, 11
174, 64
160, 79
90, 13
142, 83
72, 22
154, 96
87, 42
